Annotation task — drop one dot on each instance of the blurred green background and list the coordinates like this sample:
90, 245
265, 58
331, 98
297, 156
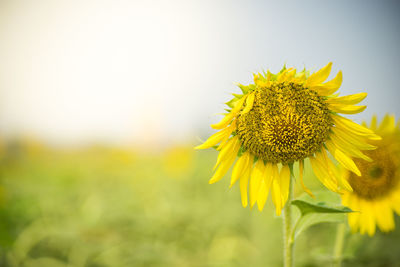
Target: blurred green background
108, 206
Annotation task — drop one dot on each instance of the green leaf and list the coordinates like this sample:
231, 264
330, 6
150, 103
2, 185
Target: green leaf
315, 218
313, 212
321, 207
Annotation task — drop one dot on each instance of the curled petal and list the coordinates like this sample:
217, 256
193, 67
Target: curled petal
348, 100
249, 104
217, 137
319, 76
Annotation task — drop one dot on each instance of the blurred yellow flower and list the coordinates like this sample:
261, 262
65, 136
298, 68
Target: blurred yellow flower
284, 118
376, 194
178, 161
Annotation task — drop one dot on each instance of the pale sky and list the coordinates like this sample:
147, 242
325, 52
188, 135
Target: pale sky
143, 71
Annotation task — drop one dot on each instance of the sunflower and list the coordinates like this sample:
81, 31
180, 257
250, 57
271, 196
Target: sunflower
376, 194
285, 118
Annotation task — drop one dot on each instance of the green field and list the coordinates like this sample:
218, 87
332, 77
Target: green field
105, 206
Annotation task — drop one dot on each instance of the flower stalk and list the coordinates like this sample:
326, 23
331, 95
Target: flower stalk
339, 242
288, 241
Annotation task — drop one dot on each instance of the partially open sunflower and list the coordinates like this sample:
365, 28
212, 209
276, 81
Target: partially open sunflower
284, 118
376, 194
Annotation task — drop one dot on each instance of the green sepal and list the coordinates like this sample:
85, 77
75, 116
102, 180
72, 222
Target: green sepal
244, 88
231, 103
241, 151
255, 159
238, 96
252, 87
283, 68
270, 76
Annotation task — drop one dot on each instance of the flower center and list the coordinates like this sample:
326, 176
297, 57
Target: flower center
288, 122
375, 172
378, 177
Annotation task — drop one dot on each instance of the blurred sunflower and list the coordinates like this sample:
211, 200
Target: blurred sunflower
376, 194
284, 118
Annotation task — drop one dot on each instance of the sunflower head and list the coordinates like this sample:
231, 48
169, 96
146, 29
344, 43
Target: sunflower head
287, 122
285, 118
377, 192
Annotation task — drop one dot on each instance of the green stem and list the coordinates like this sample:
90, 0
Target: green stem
339, 242
288, 225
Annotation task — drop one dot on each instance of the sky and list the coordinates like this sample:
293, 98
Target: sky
159, 71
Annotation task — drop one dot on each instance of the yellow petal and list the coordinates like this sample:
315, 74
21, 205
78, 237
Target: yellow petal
285, 183
383, 215
222, 169
330, 87
217, 137
348, 100
240, 167
239, 104
322, 175
319, 76
334, 172
224, 140
255, 181
249, 103
354, 139
388, 124
291, 74
244, 181
286, 75
224, 122
354, 217
374, 123
229, 117
267, 177
263, 84
348, 148
342, 158
300, 77
256, 77
269, 173
230, 148
344, 181
282, 76
352, 127
341, 178
275, 193
346, 109
276, 190
301, 170
262, 195
395, 201
367, 220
